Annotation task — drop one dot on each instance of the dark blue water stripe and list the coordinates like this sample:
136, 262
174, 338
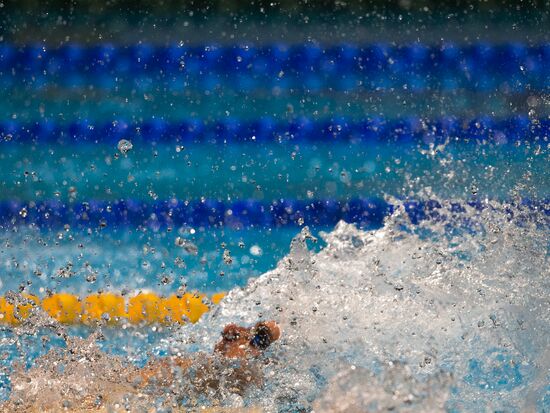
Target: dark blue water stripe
267, 129
481, 67
213, 213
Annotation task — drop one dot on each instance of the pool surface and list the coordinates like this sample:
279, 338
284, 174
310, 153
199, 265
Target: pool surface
373, 177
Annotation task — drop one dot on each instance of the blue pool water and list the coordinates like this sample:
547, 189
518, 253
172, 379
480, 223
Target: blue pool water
166, 167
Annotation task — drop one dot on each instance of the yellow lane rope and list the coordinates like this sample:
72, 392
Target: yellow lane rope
111, 308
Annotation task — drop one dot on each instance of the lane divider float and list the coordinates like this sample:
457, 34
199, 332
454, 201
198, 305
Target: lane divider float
268, 129
480, 66
110, 308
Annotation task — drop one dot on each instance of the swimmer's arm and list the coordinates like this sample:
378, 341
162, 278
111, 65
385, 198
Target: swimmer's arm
161, 371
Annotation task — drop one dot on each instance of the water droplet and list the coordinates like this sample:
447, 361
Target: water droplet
166, 279
227, 257
179, 262
188, 246
124, 146
256, 250
91, 277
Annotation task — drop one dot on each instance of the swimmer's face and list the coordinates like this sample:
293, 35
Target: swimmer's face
242, 342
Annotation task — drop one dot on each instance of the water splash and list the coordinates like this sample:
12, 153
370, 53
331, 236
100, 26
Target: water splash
449, 313
462, 294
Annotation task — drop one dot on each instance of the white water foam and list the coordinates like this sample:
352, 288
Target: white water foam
451, 314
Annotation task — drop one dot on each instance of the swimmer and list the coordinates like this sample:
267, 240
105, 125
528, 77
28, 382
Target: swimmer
84, 379
238, 343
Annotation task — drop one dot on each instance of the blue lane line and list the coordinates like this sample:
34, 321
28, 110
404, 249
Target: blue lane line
211, 213
479, 67
268, 129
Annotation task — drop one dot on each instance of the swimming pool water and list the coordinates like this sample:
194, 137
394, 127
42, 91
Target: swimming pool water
436, 151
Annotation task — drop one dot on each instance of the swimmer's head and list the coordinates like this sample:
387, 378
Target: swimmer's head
264, 333
242, 342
